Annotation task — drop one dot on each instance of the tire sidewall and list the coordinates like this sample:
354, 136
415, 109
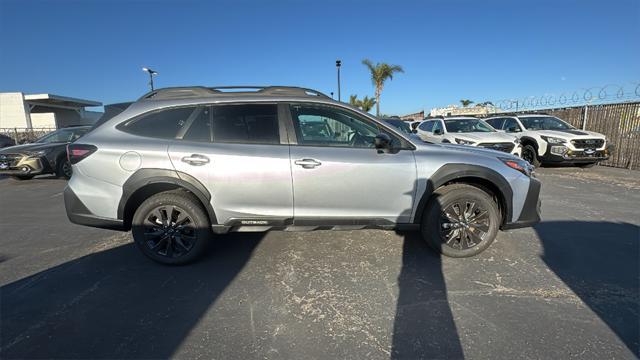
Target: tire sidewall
192, 208
440, 200
530, 148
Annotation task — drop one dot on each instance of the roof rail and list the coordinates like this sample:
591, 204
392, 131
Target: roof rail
201, 91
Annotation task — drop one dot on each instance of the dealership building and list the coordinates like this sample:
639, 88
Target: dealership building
31, 111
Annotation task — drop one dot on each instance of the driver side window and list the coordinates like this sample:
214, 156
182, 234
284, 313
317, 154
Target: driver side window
318, 125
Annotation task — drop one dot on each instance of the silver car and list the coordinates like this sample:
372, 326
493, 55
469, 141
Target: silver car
181, 164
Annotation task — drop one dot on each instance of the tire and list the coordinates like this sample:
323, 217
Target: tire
530, 154
172, 243
586, 166
63, 169
23, 177
464, 240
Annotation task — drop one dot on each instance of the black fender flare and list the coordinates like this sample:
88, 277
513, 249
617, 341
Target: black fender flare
144, 177
450, 172
527, 139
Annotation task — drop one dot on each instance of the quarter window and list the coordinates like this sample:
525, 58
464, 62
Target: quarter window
163, 124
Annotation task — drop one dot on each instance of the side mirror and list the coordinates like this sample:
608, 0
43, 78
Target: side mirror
414, 131
382, 142
513, 129
437, 132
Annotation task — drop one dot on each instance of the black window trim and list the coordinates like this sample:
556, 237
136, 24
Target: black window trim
282, 112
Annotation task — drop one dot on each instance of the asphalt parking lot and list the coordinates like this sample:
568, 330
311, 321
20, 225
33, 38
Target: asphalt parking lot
567, 288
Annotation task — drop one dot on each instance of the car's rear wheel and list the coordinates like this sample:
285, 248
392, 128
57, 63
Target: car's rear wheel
22, 177
530, 154
171, 228
460, 220
64, 169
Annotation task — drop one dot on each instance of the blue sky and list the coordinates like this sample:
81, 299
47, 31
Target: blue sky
480, 50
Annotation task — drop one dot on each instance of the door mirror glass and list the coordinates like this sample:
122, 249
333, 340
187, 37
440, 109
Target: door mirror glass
415, 131
382, 141
437, 132
513, 129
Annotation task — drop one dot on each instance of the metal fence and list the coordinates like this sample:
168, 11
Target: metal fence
619, 122
25, 135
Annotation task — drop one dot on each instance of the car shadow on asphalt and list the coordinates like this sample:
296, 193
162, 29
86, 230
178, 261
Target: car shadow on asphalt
600, 263
424, 327
115, 304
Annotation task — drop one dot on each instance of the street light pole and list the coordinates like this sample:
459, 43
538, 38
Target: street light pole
338, 64
151, 75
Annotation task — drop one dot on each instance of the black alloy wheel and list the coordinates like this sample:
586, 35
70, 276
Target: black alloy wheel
169, 231
460, 220
171, 227
464, 224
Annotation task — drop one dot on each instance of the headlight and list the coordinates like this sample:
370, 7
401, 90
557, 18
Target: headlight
464, 142
553, 140
518, 164
38, 153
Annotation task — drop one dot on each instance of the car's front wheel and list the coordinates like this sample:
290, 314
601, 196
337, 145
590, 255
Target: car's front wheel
171, 228
460, 220
530, 154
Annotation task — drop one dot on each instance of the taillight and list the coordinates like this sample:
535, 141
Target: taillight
77, 152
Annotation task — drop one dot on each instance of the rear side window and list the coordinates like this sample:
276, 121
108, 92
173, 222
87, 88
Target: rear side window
163, 124
250, 123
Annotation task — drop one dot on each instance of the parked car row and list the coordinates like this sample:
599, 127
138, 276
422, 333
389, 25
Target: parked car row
46, 155
537, 138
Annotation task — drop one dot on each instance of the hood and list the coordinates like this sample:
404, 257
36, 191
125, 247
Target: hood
466, 149
484, 137
571, 134
29, 148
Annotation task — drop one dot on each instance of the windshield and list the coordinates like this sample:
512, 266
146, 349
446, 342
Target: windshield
466, 126
544, 123
62, 136
400, 125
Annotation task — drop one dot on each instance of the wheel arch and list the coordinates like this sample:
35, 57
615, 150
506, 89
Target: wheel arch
484, 178
148, 182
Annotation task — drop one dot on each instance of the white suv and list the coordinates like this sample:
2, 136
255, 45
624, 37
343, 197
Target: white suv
547, 139
470, 131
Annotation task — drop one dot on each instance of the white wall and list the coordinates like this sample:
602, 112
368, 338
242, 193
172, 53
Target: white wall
43, 120
12, 111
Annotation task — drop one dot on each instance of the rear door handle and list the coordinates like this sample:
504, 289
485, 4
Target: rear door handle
308, 163
196, 160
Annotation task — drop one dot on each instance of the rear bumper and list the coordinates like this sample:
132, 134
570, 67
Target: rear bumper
78, 213
531, 210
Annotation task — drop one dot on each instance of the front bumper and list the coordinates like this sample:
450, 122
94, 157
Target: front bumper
572, 156
19, 164
531, 210
78, 213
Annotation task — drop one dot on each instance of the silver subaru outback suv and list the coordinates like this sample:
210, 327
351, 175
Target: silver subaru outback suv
182, 164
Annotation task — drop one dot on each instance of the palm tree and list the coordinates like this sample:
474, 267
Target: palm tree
366, 104
353, 100
466, 102
380, 72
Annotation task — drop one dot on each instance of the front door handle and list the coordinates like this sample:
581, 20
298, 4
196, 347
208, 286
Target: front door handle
196, 160
308, 163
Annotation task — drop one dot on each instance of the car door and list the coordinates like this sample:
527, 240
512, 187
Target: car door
236, 152
339, 177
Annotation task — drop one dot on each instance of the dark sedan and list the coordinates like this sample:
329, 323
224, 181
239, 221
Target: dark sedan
47, 155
